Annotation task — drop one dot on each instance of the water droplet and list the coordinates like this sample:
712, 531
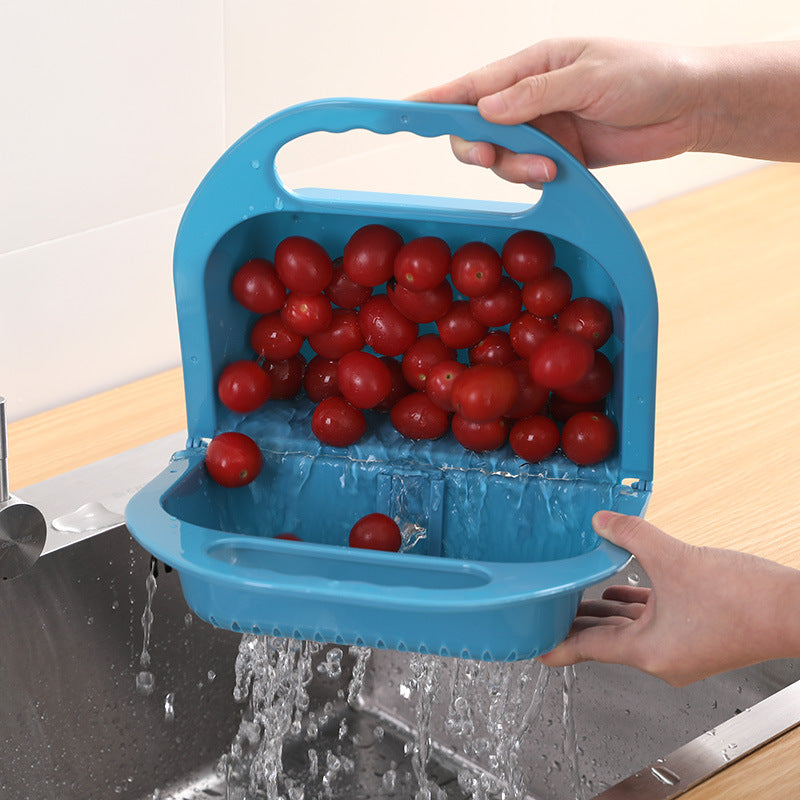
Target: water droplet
211, 675
145, 683
634, 579
665, 775
169, 707
255, 163
187, 620
89, 517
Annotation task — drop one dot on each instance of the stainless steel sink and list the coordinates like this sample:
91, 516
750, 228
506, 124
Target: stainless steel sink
74, 726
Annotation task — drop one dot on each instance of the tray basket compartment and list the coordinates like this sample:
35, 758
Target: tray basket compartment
497, 551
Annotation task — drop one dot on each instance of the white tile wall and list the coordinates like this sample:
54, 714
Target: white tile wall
113, 111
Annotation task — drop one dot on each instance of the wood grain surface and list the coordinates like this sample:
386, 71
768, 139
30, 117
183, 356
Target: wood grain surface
727, 265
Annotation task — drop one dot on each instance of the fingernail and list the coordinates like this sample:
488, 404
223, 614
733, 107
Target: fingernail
473, 156
539, 172
601, 520
492, 104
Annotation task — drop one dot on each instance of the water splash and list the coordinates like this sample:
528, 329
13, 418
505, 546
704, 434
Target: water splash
145, 681
88, 518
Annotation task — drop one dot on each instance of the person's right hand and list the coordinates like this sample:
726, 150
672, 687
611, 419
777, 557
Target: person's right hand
607, 101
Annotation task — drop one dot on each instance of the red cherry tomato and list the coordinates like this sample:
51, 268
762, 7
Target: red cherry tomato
588, 438
439, 383
423, 354
561, 360
484, 392
532, 397
400, 387
271, 338
494, 348
337, 422
257, 287
233, 459
546, 296
561, 410
534, 438
343, 291
527, 331
243, 387
376, 532
307, 313
586, 317
458, 328
363, 379
340, 337
303, 265
292, 537
422, 263
594, 385
500, 307
480, 436
384, 328
320, 379
286, 376
427, 306
416, 416
369, 254
476, 269
528, 256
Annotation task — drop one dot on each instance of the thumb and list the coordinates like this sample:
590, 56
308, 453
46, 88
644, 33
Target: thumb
649, 544
535, 95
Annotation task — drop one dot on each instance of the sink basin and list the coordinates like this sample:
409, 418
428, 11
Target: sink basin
74, 726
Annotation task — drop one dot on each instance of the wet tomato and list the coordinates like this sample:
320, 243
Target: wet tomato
500, 307
363, 379
527, 331
594, 385
340, 337
561, 360
337, 422
243, 386
422, 263
286, 376
233, 459
534, 438
427, 306
307, 313
532, 397
546, 296
303, 265
587, 317
494, 348
384, 328
528, 256
439, 383
475, 269
369, 254
423, 354
400, 387
272, 339
484, 392
416, 416
376, 532
343, 291
458, 328
257, 287
588, 438
480, 436
320, 379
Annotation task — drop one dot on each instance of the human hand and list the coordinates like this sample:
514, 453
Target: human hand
607, 101
709, 611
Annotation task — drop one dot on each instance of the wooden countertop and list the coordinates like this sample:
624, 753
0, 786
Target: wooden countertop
727, 265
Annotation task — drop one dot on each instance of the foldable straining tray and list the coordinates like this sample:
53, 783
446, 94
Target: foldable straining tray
501, 549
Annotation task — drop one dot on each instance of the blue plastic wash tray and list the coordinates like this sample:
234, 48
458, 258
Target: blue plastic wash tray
499, 551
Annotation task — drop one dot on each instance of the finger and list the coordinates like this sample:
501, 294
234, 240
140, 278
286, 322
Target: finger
527, 168
610, 608
605, 642
628, 594
651, 546
480, 154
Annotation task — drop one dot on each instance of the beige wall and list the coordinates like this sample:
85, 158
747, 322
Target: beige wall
113, 111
